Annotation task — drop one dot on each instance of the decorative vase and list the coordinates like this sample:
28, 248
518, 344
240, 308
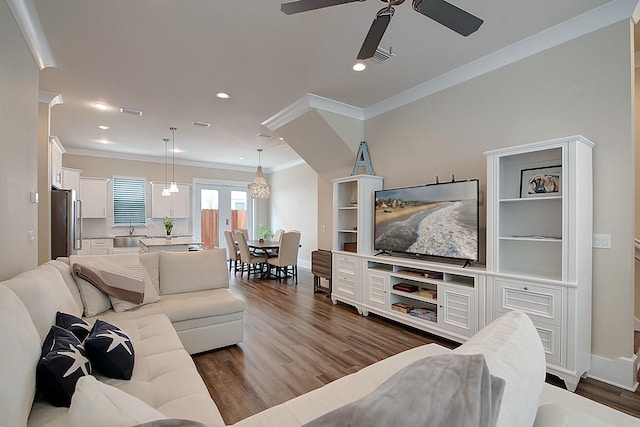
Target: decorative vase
168, 234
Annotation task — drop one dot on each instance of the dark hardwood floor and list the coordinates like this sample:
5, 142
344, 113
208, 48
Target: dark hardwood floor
296, 341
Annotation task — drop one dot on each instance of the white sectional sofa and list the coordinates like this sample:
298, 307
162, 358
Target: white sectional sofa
195, 312
166, 384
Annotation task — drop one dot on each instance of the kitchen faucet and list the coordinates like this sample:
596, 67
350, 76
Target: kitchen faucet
132, 228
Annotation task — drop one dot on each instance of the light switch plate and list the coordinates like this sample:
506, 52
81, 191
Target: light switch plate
602, 241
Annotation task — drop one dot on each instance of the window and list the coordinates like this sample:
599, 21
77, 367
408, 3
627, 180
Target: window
129, 201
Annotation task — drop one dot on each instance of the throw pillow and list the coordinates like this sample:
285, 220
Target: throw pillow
110, 350
437, 391
74, 324
62, 363
97, 404
193, 271
94, 300
513, 350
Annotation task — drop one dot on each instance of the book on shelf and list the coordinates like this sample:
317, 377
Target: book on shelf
433, 275
428, 293
424, 313
401, 307
405, 287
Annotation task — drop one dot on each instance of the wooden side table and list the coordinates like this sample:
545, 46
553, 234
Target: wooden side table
321, 268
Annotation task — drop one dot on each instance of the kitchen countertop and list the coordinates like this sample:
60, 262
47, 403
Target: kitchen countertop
175, 241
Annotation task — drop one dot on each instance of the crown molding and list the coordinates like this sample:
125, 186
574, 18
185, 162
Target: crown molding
306, 104
595, 19
27, 18
51, 98
152, 159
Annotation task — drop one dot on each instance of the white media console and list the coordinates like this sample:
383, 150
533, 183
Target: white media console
538, 257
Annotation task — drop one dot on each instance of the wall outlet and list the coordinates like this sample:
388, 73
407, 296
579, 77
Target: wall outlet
31, 236
602, 241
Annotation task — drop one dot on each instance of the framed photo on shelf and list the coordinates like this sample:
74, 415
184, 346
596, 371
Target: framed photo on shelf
541, 182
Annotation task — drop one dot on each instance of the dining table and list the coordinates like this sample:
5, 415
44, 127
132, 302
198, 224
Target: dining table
268, 247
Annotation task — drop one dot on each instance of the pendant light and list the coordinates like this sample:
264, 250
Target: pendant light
165, 191
173, 188
259, 189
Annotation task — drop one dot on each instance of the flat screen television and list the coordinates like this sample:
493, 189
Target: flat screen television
439, 220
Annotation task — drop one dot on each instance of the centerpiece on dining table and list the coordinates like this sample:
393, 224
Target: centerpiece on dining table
264, 233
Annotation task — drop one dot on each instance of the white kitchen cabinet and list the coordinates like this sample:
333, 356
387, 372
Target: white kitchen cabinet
86, 248
56, 149
93, 194
539, 246
176, 205
101, 246
71, 179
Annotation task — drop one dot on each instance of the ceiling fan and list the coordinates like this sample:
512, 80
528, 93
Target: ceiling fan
450, 16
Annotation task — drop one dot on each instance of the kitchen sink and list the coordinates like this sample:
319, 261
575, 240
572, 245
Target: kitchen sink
127, 241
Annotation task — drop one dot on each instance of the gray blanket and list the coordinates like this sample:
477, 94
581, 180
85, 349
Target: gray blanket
449, 390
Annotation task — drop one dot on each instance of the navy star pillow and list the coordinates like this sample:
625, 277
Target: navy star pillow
110, 350
72, 323
62, 363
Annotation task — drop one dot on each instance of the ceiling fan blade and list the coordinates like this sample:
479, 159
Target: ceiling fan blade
305, 5
378, 27
448, 15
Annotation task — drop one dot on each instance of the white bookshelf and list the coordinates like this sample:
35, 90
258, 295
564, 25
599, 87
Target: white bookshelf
539, 246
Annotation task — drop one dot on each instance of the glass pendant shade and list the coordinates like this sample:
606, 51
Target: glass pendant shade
173, 188
259, 189
166, 191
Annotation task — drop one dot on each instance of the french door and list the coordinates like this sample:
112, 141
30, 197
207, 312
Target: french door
219, 208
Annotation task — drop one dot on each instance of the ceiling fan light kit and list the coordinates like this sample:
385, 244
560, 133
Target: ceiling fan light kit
444, 13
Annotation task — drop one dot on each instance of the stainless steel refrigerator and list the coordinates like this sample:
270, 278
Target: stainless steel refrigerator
66, 223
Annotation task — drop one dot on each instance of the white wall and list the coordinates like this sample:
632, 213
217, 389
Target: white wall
19, 159
293, 206
584, 86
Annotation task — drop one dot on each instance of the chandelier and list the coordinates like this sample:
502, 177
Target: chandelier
259, 189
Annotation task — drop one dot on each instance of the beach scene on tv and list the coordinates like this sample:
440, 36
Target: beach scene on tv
436, 220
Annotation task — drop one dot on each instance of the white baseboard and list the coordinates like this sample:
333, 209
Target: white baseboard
621, 372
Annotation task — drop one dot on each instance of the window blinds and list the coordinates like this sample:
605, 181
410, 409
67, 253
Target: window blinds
129, 201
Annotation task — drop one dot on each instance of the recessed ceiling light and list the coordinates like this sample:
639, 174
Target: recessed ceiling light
100, 106
103, 127
281, 139
359, 66
104, 141
240, 158
223, 95
177, 150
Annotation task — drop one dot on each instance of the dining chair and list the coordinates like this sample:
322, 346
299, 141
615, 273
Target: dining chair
234, 252
243, 231
287, 256
247, 259
277, 234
